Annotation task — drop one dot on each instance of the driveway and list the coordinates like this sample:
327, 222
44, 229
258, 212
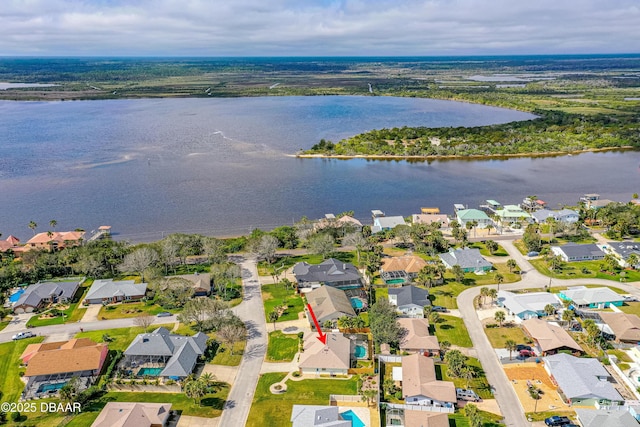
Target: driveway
91, 315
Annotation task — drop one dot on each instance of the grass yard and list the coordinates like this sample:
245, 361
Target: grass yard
584, 270
488, 419
121, 337
479, 384
484, 251
10, 384
223, 354
452, 329
130, 309
72, 314
631, 308
286, 262
282, 347
5, 322
446, 294
275, 410
498, 336
274, 295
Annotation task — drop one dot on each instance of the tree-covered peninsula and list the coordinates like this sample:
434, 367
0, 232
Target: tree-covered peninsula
551, 132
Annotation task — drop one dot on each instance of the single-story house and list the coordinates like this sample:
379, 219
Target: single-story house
624, 249
527, 305
469, 215
330, 272
468, 258
330, 221
39, 295
410, 300
425, 419
401, 269
566, 216
177, 355
329, 303
420, 386
581, 296
317, 416
417, 338
625, 327
511, 214
56, 239
10, 242
549, 338
384, 223
617, 417
429, 219
105, 291
332, 358
201, 282
581, 381
578, 252
133, 414
56, 363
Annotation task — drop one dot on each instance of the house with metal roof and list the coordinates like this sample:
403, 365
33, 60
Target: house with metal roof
581, 381
618, 417
133, 414
582, 297
417, 338
468, 258
527, 305
420, 385
39, 295
464, 216
578, 252
331, 272
332, 358
384, 223
163, 353
566, 216
511, 214
410, 300
550, 338
623, 250
106, 291
329, 303
625, 327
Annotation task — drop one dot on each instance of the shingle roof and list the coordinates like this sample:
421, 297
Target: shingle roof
430, 218
626, 327
35, 293
107, 288
66, 359
577, 250
331, 270
419, 379
417, 337
531, 301
580, 377
407, 295
198, 280
336, 354
603, 418
549, 337
317, 416
130, 414
466, 258
582, 295
406, 263
425, 419
327, 301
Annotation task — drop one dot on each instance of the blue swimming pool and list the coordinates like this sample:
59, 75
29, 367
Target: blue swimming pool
360, 352
351, 416
357, 303
16, 295
152, 372
50, 388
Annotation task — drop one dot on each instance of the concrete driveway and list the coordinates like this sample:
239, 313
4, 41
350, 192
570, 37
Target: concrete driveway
91, 315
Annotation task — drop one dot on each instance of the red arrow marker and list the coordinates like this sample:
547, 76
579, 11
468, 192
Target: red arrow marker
322, 337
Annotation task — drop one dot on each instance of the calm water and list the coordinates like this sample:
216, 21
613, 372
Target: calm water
218, 166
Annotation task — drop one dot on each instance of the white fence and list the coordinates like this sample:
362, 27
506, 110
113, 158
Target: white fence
627, 381
386, 358
424, 408
345, 398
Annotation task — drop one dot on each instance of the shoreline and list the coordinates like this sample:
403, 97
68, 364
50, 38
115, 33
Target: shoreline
457, 156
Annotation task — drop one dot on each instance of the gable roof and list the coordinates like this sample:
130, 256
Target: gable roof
389, 221
600, 418
198, 280
327, 301
419, 379
35, 293
425, 419
336, 354
75, 357
530, 301
580, 378
430, 219
107, 288
317, 416
466, 258
549, 337
626, 327
582, 295
407, 295
131, 414
32, 349
417, 336
406, 263
330, 270
512, 211
472, 215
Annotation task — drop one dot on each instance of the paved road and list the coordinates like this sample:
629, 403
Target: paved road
251, 310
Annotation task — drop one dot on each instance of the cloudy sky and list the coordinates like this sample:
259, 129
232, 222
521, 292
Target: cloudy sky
317, 27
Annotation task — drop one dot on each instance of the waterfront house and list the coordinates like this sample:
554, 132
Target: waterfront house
550, 338
581, 381
10, 242
200, 282
317, 416
163, 354
572, 252
614, 417
512, 214
344, 222
532, 203
468, 258
409, 300
332, 358
107, 291
625, 327
402, 269
429, 219
133, 414
329, 303
583, 297
566, 216
527, 305
420, 386
40, 295
464, 216
384, 223
56, 239
417, 338
330, 272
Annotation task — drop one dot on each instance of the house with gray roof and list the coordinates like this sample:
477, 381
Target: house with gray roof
578, 252
582, 297
384, 223
317, 416
609, 418
624, 249
468, 258
106, 291
566, 216
331, 272
527, 305
410, 300
175, 354
581, 381
39, 295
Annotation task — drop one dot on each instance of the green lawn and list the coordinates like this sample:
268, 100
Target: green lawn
121, 337
484, 251
479, 384
583, 269
275, 295
282, 347
286, 262
631, 308
10, 384
223, 354
498, 336
275, 410
452, 329
5, 322
488, 419
72, 314
130, 309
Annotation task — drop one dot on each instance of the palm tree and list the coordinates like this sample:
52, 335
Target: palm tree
499, 280
500, 316
458, 272
632, 260
33, 226
511, 346
467, 374
484, 292
493, 293
512, 264
549, 309
568, 316
53, 224
273, 317
195, 389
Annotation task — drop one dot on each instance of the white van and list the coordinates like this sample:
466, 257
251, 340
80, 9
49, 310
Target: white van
463, 394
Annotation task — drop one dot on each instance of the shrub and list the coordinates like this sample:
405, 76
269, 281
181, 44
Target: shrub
15, 416
296, 374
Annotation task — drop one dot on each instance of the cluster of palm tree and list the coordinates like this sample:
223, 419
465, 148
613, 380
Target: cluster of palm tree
197, 388
349, 322
491, 293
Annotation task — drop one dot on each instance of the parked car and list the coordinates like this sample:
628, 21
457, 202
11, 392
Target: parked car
439, 309
527, 353
630, 298
164, 314
464, 394
557, 421
23, 335
521, 347
533, 253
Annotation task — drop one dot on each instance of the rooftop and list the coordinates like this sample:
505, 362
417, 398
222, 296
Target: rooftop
335, 354
549, 337
582, 295
417, 336
131, 414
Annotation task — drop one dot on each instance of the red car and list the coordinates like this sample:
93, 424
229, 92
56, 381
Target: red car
527, 353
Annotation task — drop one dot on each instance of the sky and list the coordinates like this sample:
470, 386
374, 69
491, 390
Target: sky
317, 27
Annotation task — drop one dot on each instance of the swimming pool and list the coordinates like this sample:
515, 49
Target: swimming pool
152, 372
351, 416
360, 352
48, 388
357, 303
16, 295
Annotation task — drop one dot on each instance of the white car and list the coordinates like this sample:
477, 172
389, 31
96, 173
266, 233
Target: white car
22, 335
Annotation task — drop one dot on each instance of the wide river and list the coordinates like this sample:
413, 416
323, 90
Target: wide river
219, 166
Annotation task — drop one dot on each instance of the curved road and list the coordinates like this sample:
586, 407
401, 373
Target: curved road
505, 395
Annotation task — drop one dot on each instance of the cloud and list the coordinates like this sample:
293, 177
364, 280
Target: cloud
317, 27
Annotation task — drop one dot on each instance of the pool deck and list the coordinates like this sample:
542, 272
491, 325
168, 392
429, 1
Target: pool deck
361, 412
